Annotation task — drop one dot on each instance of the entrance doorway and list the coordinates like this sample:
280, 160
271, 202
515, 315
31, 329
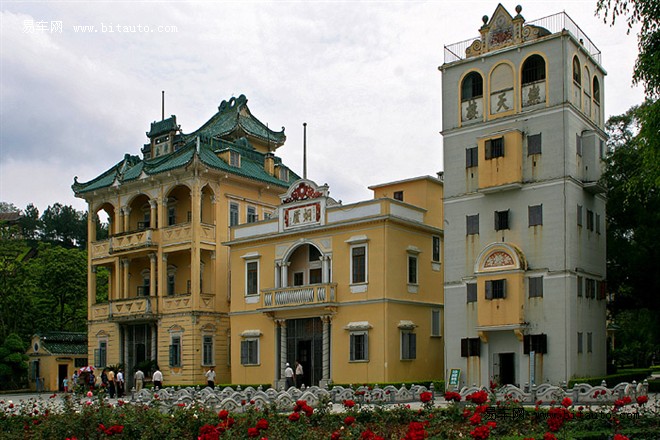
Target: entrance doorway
305, 345
138, 349
62, 373
507, 368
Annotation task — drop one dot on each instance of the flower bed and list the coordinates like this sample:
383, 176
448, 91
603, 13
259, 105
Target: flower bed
478, 417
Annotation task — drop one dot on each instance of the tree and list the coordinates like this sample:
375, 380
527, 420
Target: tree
13, 362
30, 224
64, 225
6, 207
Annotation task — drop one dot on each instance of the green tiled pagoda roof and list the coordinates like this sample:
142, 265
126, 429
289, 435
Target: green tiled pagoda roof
164, 126
64, 342
233, 117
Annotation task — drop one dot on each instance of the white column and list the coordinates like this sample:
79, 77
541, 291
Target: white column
325, 269
278, 274
282, 324
326, 351
285, 274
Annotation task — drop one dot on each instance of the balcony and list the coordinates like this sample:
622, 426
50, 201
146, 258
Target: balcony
131, 241
133, 308
299, 295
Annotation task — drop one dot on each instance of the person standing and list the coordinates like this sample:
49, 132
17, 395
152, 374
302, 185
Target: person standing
120, 383
139, 380
210, 378
157, 378
109, 381
299, 375
288, 375
65, 384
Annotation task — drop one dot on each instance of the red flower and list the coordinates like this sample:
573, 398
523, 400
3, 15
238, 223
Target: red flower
294, 417
223, 414
549, 436
426, 397
335, 436
620, 437
349, 403
475, 419
491, 425
566, 402
262, 424
627, 400
452, 396
641, 400
480, 433
308, 410
253, 432
478, 397
348, 421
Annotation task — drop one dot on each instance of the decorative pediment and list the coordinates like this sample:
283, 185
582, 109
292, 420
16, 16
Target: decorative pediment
500, 28
302, 190
500, 257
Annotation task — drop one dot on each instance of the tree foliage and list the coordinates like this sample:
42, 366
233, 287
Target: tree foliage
13, 362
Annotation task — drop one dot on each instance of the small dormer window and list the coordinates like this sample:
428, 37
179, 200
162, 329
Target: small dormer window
283, 174
234, 159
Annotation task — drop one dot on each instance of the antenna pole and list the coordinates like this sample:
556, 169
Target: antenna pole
304, 150
162, 106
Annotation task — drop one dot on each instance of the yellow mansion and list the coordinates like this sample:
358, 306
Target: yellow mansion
353, 292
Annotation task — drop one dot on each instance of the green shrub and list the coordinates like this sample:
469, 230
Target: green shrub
654, 386
638, 374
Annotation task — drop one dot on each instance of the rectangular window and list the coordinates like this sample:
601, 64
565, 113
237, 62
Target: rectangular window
314, 254
359, 346
471, 157
580, 286
590, 287
171, 216
252, 278
590, 220
267, 215
408, 345
359, 264
412, 269
590, 342
579, 342
536, 287
578, 144
495, 289
534, 144
471, 292
535, 343
251, 214
597, 223
233, 214
207, 350
579, 215
602, 289
472, 224
470, 347
398, 195
436, 248
501, 220
250, 352
495, 148
101, 355
175, 351
535, 215
298, 278
436, 325
234, 159
315, 276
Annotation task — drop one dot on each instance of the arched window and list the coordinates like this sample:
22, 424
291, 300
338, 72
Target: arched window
596, 90
586, 80
472, 87
533, 69
576, 71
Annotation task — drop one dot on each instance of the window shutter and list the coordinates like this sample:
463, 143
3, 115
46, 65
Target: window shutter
489, 149
244, 352
352, 346
172, 360
475, 347
413, 346
543, 343
464, 347
578, 143
503, 288
497, 221
534, 144
489, 290
97, 357
527, 342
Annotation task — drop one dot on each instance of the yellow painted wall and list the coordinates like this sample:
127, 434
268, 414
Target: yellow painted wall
501, 170
506, 311
424, 192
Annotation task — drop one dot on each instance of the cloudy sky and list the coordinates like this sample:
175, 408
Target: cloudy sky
363, 75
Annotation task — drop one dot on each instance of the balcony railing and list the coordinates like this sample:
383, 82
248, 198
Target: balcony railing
133, 307
134, 240
299, 295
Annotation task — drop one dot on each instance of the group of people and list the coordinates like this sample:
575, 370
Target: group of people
114, 383
293, 379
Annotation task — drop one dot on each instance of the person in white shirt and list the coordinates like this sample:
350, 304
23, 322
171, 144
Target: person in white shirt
139, 379
288, 375
299, 375
157, 378
210, 378
120, 382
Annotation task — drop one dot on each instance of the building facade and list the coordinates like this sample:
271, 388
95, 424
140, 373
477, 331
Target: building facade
54, 356
166, 301
352, 292
525, 216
